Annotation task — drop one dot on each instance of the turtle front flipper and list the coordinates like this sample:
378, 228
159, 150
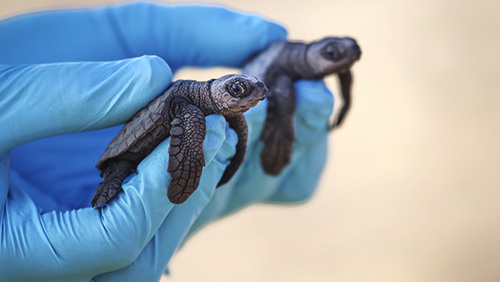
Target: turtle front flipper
278, 133
114, 174
345, 79
239, 124
186, 151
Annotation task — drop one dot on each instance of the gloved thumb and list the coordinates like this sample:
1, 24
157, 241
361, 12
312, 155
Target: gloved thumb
38, 101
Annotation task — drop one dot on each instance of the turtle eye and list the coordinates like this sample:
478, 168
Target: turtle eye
331, 52
237, 89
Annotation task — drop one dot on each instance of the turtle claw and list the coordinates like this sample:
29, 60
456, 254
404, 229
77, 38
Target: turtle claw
100, 201
105, 192
277, 151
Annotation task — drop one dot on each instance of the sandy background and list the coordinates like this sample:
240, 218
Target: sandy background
412, 188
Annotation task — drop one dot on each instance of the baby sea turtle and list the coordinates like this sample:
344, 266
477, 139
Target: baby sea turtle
279, 66
180, 112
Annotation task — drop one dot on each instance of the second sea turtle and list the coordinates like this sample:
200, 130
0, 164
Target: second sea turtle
279, 66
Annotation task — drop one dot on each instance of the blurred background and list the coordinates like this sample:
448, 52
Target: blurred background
411, 191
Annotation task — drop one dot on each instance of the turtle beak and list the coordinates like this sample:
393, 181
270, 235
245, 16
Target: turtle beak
357, 51
263, 93
352, 48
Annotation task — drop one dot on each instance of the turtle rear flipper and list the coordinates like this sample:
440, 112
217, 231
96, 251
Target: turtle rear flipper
239, 124
114, 174
277, 149
345, 79
186, 159
278, 132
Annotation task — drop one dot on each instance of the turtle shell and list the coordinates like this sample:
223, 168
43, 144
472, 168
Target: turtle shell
141, 134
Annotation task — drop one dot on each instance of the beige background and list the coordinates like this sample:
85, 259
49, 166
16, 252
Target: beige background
412, 188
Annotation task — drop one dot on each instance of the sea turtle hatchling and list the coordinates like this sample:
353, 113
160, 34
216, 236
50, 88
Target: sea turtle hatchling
180, 113
279, 66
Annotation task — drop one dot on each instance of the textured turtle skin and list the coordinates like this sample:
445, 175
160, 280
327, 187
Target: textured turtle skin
180, 113
279, 66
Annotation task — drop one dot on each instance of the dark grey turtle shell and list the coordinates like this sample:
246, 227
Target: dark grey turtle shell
144, 128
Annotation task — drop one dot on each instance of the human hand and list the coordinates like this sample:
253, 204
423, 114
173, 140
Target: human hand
298, 180
47, 226
296, 183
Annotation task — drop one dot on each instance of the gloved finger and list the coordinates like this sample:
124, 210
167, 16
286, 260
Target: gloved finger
153, 259
81, 244
51, 99
314, 107
299, 182
298, 179
249, 185
180, 34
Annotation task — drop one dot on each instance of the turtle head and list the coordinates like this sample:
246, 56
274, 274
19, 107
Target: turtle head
236, 94
332, 55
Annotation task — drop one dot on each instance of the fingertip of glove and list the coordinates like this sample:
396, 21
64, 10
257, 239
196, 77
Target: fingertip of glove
259, 32
215, 137
121, 88
314, 94
314, 106
220, 140
154, 72
225, 36
274, 31
262, 30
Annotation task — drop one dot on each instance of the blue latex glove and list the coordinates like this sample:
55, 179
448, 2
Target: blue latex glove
46, 226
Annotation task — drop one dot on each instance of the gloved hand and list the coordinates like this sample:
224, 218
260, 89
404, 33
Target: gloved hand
298, 180
46, 225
